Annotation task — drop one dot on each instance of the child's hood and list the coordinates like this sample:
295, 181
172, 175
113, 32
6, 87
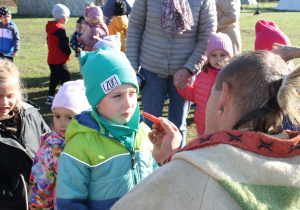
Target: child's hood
53, 26
82, 123
52, 138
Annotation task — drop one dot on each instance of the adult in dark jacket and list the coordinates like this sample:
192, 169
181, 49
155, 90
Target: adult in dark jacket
21, 126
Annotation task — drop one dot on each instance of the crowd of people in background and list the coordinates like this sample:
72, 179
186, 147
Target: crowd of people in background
103, 154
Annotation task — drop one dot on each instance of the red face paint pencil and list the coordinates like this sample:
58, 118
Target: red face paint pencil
155, 119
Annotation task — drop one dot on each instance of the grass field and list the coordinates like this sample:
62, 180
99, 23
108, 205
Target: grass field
32, 59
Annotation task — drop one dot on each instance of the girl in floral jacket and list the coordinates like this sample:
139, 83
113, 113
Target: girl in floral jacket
69, 101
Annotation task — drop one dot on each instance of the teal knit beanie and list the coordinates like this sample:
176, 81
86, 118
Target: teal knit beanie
104, 70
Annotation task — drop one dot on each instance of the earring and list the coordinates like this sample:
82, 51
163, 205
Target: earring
222, 110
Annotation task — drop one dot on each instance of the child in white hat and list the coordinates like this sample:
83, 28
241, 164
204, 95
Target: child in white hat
69, 101
58, 49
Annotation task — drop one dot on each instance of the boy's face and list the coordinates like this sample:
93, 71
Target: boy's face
118, 106
64, 20
5, 19
61, 119
79, 28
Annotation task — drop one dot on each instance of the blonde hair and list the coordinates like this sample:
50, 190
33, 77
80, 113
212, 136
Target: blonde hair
9, 70
262, 93
288, 96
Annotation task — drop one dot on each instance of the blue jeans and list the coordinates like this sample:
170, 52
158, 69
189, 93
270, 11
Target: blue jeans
154, 93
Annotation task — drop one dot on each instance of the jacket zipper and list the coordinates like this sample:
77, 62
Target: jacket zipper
133, 161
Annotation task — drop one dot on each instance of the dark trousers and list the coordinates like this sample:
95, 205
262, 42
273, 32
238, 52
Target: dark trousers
2, 56
59, 73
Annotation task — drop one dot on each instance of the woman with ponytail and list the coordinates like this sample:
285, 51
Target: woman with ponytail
244, 160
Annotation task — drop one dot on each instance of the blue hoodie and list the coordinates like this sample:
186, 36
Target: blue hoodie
9, 38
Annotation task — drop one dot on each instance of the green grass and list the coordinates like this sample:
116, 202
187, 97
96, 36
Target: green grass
286, 21
32, 59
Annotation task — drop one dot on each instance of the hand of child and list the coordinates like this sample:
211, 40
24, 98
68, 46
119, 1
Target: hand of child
79, 49
80, 40
165, 139
15, 54
181, 78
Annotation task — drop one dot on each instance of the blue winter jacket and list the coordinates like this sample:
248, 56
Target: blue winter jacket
9, 38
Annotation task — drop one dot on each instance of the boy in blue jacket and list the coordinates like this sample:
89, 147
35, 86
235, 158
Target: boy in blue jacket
9, 35
107, 148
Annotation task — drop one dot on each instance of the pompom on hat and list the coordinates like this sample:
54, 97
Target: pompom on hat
268, 33
71, 96
112, 41
93, 12
89, 4
219, 41
60, 11
4, 11
104, 70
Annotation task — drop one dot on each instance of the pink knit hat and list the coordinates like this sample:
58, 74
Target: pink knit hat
268, 33
71, 96
93, 12
219, 41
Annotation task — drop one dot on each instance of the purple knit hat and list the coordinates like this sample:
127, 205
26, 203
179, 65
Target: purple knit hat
93, 12
268, 33
71, 96
219, 41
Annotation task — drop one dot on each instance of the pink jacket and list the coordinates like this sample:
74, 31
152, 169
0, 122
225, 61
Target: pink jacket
199, 93
99, 30
44, 171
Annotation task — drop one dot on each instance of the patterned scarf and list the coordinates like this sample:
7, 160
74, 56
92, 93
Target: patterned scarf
176, 16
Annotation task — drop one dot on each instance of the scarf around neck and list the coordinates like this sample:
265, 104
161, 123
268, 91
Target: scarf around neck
11, 123
176, 16
125, 134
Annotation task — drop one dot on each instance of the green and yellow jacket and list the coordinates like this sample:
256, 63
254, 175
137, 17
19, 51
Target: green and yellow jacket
95, 169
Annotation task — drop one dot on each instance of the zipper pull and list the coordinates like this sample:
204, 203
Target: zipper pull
133, 159
134, 163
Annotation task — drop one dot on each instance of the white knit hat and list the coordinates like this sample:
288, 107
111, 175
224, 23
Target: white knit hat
72, 96
60, 11
112, 41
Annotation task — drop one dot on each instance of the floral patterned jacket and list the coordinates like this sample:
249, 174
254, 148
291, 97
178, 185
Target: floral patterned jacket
44, 170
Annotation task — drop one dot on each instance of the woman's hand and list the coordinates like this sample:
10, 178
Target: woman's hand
181, 78
165, 139
286, 52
